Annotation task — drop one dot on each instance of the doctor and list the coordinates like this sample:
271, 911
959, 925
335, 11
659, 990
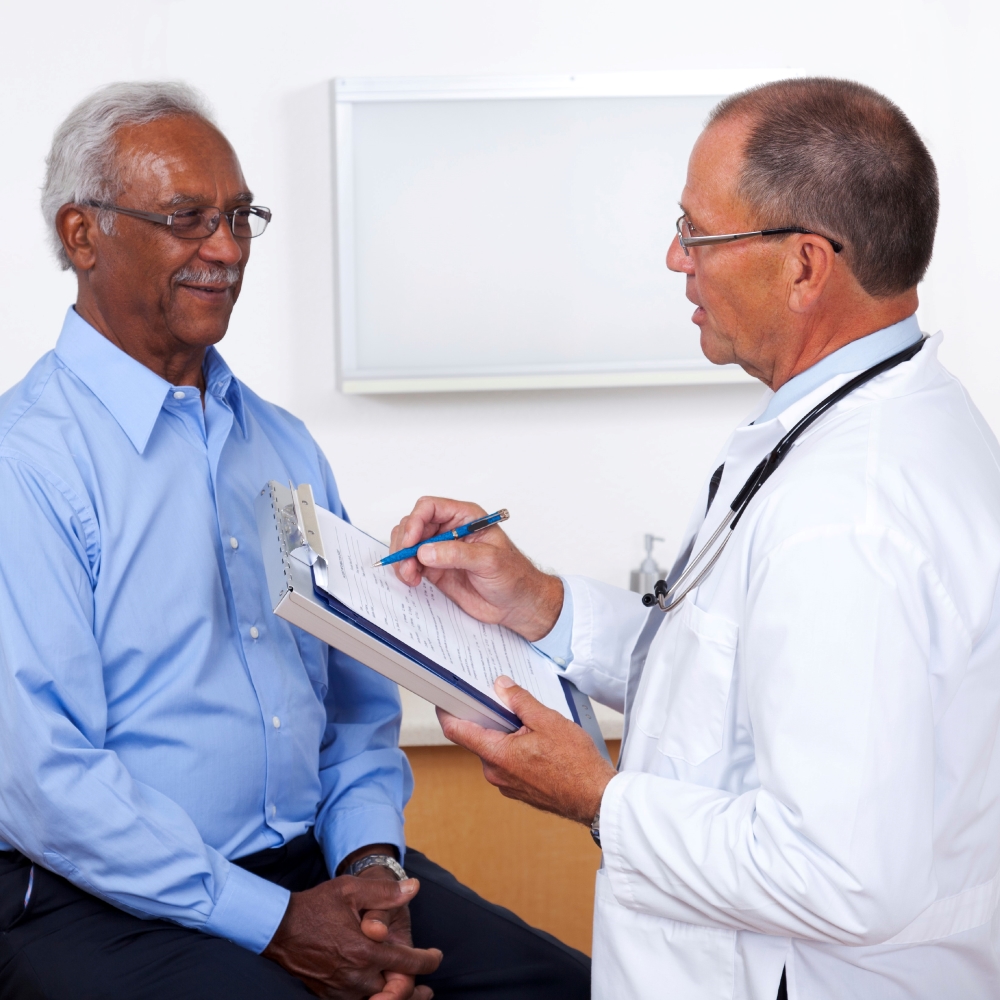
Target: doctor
808, 802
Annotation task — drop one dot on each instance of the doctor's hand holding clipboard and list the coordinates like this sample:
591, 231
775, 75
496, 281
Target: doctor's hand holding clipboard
550, 762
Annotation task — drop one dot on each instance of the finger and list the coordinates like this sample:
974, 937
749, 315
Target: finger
375, 924
410, 961
479, 560
398, 986
482, 742
431, 515
409, 571
396, 536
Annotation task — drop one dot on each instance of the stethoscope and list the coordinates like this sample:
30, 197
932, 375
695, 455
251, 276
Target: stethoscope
668, 597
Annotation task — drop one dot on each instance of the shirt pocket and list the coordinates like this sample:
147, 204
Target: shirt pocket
685, 688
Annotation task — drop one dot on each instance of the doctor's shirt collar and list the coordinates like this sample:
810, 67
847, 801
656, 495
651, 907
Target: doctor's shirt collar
853, 357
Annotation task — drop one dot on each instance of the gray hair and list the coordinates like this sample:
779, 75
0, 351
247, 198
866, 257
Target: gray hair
83, 165
843, 160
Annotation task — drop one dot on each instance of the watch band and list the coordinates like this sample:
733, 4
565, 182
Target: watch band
370, 860
595, 827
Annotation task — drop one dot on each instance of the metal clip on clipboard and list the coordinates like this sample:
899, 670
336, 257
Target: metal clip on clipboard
295, 565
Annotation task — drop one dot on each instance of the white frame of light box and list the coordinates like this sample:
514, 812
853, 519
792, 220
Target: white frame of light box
346, 92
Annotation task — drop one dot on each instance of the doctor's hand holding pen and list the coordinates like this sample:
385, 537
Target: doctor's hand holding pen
484, 573
550, 762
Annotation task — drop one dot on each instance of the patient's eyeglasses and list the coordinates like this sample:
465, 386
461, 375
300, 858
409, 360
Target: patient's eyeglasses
686, 236
245, 222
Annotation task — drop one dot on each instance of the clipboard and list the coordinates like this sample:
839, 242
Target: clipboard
294, 562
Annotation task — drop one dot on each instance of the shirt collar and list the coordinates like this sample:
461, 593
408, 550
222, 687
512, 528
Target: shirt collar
853, 357
131, 392
223, 384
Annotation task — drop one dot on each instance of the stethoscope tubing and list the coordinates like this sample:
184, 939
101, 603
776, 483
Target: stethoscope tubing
668, 598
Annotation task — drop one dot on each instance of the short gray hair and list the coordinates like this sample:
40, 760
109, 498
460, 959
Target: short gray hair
843, 160
83, 165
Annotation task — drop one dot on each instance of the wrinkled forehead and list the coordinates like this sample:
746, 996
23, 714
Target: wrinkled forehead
177, 160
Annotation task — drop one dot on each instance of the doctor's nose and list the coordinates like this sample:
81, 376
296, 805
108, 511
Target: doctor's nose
677, 260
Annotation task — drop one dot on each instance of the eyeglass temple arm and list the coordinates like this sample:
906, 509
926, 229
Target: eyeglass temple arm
148, 216
837, 247
704, 241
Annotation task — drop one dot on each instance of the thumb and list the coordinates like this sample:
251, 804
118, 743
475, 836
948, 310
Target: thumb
482, 742
521, 702
380, 893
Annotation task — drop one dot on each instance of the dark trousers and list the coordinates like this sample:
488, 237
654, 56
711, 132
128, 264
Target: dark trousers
69, 945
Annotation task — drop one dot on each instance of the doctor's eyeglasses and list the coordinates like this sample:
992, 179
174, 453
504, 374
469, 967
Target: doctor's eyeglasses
245, 222
687, 236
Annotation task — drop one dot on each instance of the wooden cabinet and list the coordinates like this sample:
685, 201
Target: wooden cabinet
540, 866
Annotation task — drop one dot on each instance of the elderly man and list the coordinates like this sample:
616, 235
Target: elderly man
808, 799
182, 771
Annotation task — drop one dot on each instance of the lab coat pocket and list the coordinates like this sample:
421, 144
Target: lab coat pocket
685, 690
645, 957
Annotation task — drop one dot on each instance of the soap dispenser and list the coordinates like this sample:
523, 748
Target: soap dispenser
644, 578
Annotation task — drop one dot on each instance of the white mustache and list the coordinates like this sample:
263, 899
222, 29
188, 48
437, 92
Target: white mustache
208, 275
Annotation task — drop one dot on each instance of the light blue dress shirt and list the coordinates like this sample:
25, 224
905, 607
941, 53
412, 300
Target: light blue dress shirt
853, 357
156, 718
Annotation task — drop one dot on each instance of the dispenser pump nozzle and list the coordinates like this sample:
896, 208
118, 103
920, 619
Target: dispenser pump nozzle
649, 564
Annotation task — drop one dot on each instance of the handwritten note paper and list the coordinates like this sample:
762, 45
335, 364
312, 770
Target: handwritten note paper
430, 622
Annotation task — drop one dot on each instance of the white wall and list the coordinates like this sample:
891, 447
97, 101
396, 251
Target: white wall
584, 472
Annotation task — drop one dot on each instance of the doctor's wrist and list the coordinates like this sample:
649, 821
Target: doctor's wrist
545, 608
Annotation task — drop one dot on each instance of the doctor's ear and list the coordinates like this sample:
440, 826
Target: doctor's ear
77, 227
811, 261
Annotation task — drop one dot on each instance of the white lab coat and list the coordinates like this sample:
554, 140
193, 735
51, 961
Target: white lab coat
811, 778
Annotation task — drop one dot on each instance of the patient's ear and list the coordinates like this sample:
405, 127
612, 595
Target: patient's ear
77, 227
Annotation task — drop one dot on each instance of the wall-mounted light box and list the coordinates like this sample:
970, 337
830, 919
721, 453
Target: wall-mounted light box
510, 233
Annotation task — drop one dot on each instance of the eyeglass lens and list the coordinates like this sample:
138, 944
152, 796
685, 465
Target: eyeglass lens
197, 223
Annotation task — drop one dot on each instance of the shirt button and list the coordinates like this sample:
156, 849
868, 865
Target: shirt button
274, 811
233, 544
178, 394
276, 722
254, 632
560, 662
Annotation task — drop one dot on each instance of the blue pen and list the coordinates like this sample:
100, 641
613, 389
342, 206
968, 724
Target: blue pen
448, 536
